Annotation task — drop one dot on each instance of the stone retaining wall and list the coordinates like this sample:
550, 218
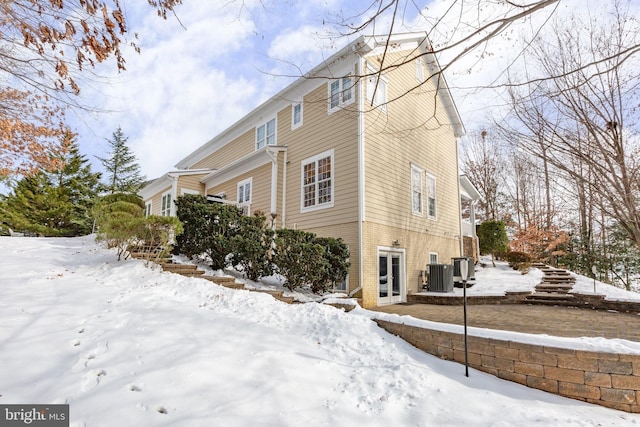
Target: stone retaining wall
607, 379
590, 301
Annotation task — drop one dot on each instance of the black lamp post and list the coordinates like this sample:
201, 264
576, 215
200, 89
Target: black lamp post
464, 273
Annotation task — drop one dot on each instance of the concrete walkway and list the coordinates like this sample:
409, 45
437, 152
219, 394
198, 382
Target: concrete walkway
533, 319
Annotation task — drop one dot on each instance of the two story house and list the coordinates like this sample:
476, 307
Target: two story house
363, 147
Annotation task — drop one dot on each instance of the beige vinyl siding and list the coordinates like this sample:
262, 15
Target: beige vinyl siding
239, 147
156, 201
321, 132
411, 131
190, 182
260, 188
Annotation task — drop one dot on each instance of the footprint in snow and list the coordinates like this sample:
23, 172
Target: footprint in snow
133, 387
92, 379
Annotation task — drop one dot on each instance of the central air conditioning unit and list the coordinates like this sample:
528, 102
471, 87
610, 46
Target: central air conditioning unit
457, 276
440, 278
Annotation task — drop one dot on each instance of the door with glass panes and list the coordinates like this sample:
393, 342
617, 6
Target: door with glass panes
390, 277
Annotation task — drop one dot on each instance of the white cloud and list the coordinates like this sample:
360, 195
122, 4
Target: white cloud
183, 88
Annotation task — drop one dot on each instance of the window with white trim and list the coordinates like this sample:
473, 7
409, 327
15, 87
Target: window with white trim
266, 134
148, 208
166, 204
343, 286
419, 70
376, 89
431, 196
244, 195
296, 115
340, 92
317, 182
416, 190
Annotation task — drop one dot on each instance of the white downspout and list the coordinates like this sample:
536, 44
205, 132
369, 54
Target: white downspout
274, 181
284, 189
174, 195
472, 214
361, 211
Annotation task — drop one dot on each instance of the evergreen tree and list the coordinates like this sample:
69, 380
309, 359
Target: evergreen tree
122, 168
79, 184
493, 238
57, 202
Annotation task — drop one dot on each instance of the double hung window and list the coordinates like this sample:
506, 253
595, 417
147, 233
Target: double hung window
266, 134
296, 115
166, 204
340, 92
431, 196
416, 190
317, 181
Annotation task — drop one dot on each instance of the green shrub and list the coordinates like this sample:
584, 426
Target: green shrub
207, 228
337, 267
118, 220
493, 238
251, 246
299, 258
520, 261
121, 223
306, 260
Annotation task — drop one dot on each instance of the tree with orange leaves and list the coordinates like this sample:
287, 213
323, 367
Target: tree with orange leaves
44, 47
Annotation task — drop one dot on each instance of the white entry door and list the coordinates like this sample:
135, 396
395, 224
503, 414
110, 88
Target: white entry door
390, 277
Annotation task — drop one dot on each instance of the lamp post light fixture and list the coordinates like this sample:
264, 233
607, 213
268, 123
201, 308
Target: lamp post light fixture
464, 273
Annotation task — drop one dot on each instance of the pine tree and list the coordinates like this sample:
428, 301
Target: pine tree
123, 170
493, 238
78, 184
57, 202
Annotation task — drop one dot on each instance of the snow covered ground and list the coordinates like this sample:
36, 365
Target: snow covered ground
126, 345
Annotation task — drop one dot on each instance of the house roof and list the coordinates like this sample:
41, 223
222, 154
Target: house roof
155, 185
467, 190
243, 165
362, 46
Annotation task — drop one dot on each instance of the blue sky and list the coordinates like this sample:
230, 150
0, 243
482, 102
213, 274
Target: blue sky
203, 70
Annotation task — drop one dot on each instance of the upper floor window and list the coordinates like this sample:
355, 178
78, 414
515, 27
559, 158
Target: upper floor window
340, 92
416, 190
166, 204
317, 181
148, 208
377, 90
266, 134
296, 115
431, 196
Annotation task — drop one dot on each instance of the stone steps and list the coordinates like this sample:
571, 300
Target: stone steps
554, 288
279, 295
190, 270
